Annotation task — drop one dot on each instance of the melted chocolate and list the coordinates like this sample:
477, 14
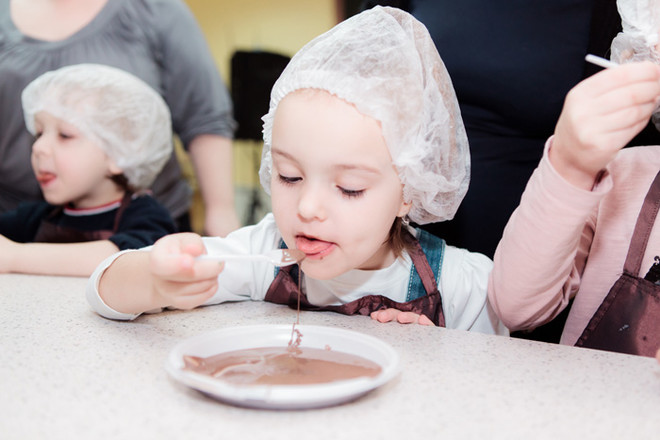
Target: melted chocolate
282, 366
290, 365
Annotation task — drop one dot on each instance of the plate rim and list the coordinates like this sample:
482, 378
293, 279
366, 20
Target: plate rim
283, 396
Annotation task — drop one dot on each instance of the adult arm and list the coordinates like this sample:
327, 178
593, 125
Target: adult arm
201, 111
212, 159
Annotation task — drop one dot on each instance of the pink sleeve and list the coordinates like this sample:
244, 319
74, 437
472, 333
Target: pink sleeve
539, 261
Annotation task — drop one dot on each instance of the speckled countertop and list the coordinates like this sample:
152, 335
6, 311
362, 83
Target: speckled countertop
67, 373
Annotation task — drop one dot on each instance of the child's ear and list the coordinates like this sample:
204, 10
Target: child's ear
114, 169
404, 209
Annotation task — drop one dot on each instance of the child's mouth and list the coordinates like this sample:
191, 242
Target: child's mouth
313, 247
45, 178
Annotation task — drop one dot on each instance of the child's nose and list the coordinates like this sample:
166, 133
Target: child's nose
310, 204
40, 146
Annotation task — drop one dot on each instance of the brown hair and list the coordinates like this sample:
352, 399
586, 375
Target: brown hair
395, 238
121, 181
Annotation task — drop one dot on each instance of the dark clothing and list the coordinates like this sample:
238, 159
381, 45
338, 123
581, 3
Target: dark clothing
628, 321
142, 223
512, 63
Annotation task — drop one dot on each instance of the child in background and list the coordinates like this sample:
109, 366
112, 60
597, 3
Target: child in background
363, 132
584, 231
101, 136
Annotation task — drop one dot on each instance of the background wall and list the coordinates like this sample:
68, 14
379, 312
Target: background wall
280, 26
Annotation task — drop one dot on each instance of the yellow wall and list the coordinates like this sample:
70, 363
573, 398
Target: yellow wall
281, 26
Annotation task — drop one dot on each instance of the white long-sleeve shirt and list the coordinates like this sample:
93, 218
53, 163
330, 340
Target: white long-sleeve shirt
462, 284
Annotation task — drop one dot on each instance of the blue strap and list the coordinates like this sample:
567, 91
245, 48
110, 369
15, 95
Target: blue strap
434, 249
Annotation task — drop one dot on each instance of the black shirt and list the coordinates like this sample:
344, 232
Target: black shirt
142, 223
512, 63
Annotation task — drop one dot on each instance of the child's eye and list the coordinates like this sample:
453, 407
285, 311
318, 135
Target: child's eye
351, 193
65, 136
289, 180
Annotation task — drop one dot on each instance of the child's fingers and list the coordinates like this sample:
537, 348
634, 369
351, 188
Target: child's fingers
183, 243
184, 269
626, 121
424, 320
185, 288
413, 318
185, 294
173, 258
621, 76
389, 315
610, 91
407, 318
194, 294
385, 315
636, 97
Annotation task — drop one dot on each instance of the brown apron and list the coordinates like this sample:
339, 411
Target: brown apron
49, 232
628, 320
284, 290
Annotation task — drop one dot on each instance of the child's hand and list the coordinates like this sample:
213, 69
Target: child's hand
389, 315
600, 116
177, 278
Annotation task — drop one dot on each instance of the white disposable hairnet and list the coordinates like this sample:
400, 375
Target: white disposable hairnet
384, 62
122, 114
640, 20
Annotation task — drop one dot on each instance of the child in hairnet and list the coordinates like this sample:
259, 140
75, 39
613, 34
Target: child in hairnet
100, 137
586, 230
363, 134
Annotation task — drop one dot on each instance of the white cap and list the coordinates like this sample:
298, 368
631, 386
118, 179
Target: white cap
640, 20
127, 118
384, 62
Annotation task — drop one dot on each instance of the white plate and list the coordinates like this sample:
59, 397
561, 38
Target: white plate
283, 396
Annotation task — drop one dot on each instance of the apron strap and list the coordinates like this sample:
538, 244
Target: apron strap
425, 265
643, 227
125, 202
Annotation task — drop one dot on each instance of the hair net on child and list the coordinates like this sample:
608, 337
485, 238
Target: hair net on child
384, 62
640, 21
122, 114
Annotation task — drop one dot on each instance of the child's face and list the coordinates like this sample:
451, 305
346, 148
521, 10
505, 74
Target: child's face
335, 193
69, 167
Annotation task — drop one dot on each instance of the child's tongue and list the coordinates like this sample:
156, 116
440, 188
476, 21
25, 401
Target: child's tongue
311, 246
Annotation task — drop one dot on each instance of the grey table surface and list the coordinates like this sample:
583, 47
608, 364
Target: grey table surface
65, 372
